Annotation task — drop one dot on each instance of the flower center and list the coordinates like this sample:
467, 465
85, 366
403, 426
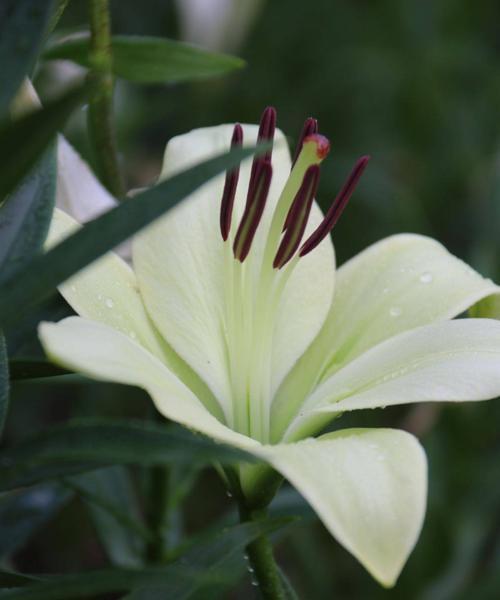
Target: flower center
255, 281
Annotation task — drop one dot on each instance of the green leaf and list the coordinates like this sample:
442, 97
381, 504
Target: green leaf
4, 382
201, 566
87, 445
22, 27
25, 216
9, 579
23, 141
23, 513
151, 60
113, 507
44, 273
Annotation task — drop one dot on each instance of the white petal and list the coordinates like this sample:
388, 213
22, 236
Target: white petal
450, 361
106, 290
368, 487
395, 285
79, 192
97, 350
180, 266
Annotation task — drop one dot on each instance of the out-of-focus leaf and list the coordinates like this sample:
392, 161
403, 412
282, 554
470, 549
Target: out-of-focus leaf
22, 27
23, 141
25, 216
34, 369
289, 592
9, 579
40, 278
151, 60
4, 382
113, 508
23, 513
87, 445
198, 567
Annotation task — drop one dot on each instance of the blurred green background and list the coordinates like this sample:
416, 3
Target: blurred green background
416, 84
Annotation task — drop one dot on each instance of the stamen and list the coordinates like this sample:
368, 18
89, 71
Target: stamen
297, 217
253, 212
230, 185
266, 133
310, 127
336, 209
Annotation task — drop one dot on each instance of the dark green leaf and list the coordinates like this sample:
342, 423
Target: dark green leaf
152, 60
22, 27
34, 369
40, 278
23, 141
197, 568
87, 445
4, 382
23, 513
25, 216
9, 579
114, 510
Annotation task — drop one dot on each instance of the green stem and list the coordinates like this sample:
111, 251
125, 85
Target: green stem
261, 559
100, 79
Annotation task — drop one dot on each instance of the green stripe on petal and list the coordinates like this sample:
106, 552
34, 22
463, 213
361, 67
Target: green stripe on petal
397, 284
369, 488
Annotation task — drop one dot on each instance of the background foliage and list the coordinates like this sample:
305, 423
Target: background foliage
416, 84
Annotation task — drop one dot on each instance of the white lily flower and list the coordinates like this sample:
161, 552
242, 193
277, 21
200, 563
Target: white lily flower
230, 321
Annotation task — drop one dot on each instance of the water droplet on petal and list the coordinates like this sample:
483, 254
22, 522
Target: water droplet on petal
380, 457
386, 290
133, 335
73, 288
109, 303
426, 277
395, 311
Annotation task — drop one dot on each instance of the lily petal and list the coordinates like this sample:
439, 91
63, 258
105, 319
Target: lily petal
107, 291
369, 488
398, 284
79, 192
181, 265
106, 354
452, 361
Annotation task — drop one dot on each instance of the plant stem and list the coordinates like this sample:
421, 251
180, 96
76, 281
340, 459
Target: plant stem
100, 79
261, 559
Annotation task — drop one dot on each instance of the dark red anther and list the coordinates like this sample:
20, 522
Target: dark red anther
310, 127
267, 128
253, 212
297, 217
230, 185
336, 209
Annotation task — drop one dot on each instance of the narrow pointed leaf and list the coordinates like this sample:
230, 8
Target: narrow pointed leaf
151, 59
39, 279
26, 215
22, 27
23, 141
84, 446
178, 580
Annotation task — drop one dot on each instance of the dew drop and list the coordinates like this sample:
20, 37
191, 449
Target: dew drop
99, 296
109, 303
133, 335
426, 277
395, 311
250, 569
386, 290
255, 583
228, 494
380, 458
73, 288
